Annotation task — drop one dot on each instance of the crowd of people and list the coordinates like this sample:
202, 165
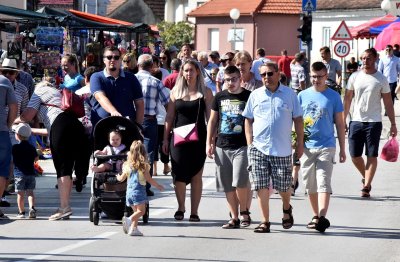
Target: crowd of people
261, 121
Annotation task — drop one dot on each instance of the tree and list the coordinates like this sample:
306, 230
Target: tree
176, 33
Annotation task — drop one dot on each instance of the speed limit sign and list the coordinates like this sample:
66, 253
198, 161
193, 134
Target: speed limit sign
342, 49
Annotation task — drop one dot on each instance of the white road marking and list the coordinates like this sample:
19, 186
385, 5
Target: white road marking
70, 247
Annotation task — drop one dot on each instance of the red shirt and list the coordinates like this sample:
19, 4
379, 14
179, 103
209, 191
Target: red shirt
284, 65
169, 81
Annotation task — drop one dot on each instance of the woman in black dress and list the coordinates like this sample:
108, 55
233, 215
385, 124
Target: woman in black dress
190, 100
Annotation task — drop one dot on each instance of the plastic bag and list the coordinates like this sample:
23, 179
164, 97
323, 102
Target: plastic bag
390, 150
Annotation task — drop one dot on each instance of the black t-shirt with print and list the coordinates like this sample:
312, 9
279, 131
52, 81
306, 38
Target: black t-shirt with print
231, 122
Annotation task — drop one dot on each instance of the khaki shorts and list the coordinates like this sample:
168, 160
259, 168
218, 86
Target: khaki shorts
316, 168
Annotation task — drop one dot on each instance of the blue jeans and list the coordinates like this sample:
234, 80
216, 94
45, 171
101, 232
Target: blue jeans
150, 141
5, 153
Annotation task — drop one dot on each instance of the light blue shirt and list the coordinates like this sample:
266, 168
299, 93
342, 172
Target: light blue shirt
389, 66
321, 107
273, 115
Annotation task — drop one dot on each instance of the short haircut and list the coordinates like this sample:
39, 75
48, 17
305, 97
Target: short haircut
318, 66
187, 45
284, 51
372, 51
243, 55
272, 65
176, 64
89, 72
111, 48
396, 46
145, 61
261, 52
231, 70
202, 55
325, 49
298, 57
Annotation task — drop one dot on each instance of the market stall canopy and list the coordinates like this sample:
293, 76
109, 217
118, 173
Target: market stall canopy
362, 31
389, 36
377, 30
58, 17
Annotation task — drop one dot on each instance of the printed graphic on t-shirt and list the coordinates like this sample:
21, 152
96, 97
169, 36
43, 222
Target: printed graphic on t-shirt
231, 116
314, 111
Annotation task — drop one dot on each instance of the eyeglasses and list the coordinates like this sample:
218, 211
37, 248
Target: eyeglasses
317, 76
109, 57
163, 57
266, 74
8, 72
233, 79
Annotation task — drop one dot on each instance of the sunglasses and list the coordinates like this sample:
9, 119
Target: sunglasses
109, 57
267, 74
8, 72
163, 57
317, 76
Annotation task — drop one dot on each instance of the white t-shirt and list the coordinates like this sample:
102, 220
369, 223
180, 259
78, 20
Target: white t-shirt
368, 89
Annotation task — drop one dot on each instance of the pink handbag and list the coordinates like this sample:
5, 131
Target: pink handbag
187, 133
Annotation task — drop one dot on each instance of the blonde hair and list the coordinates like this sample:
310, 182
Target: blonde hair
137, 157
243, 55
181, 88
129, 61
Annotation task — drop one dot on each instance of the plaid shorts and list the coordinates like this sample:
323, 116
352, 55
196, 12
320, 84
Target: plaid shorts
263, 168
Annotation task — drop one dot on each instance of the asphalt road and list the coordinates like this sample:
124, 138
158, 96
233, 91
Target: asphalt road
361, 229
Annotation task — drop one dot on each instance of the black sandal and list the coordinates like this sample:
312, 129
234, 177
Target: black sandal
322, 224
263, 227
194, 218
365, 191
288, 223
232, 223
179, 215
245, 222
312, 224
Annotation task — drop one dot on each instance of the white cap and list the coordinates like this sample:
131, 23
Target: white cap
23, 129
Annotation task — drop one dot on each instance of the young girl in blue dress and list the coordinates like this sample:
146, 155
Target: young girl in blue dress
137, 170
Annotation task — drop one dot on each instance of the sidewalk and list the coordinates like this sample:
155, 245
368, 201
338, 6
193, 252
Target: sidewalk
386, 122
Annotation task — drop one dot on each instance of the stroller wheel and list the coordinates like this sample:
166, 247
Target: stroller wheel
91, 207
146, 214
96, 217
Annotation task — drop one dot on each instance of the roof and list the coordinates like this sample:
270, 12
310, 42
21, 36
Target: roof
114, 4
348, 4
281, 7
248, 7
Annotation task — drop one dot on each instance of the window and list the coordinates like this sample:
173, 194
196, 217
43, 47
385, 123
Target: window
238, 40
213, 37
326, 36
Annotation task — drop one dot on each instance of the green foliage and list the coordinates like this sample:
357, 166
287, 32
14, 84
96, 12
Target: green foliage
176, 33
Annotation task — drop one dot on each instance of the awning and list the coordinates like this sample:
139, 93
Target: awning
362, 31
377, 30
17, 12
98, 18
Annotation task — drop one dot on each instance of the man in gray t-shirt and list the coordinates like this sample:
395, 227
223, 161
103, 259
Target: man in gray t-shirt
333, 65
8, 113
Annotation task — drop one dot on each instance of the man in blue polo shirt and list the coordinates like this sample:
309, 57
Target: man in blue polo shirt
117, 93
270, 113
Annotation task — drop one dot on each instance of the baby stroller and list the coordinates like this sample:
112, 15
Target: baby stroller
107, 194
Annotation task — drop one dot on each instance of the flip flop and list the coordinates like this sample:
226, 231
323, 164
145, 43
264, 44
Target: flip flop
179, 215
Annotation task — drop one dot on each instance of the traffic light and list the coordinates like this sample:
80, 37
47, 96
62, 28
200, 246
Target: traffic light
305, 29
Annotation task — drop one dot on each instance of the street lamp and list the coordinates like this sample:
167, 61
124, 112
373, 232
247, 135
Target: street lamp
234, 14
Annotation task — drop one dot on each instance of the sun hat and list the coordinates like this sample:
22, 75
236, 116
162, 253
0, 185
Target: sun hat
23, 129
9, 64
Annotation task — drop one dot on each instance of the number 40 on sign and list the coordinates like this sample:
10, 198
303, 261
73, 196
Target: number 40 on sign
342, 49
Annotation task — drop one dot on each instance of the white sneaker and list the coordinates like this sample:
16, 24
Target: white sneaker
32, 213
21, 215
134, 232
126, 224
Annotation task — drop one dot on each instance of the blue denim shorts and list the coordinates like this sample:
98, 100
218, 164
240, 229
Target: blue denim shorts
23, 183
366, 134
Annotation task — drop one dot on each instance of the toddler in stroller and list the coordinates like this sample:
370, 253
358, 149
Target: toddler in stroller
107, 194
136, 170
114, 148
